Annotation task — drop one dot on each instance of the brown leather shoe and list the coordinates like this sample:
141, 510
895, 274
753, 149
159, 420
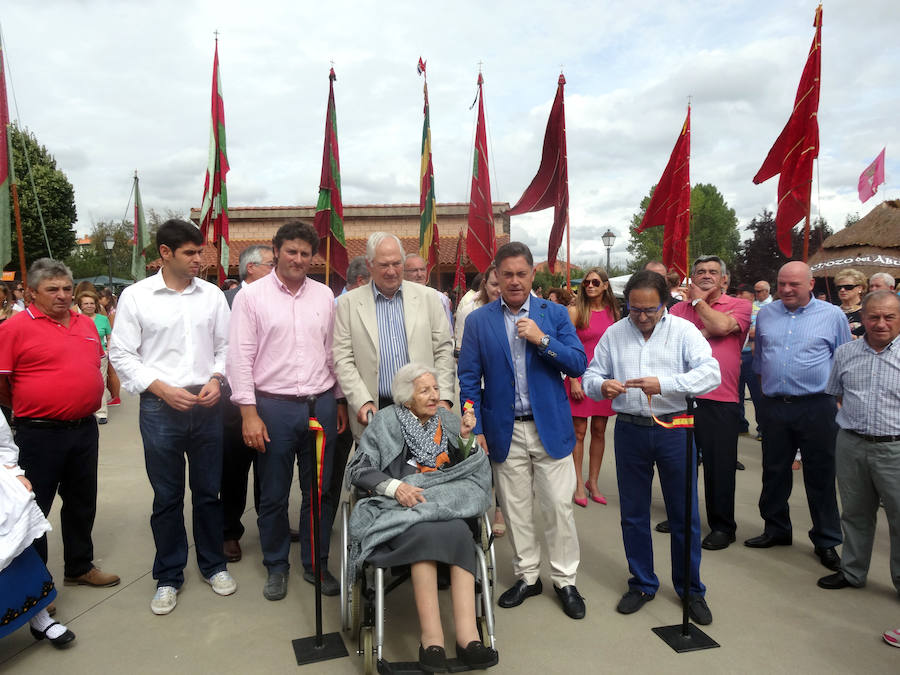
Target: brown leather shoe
93, 577
232, 550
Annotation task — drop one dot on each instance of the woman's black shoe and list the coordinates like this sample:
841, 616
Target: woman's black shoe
433, 659
476, 655
60, 642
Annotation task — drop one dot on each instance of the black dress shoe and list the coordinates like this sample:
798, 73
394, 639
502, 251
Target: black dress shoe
663, 527
330, 585
834, 581
516, 595
768, 541
740, 466
717, 540
295, 534
572, 602
476, 656
632, 601
432, 659
829, 558
698, 610
60, 641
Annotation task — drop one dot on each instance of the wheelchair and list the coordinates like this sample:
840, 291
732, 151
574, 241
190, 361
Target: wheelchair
362, 597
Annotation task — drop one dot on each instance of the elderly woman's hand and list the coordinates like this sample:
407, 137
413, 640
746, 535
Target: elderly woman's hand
408, 495
468, 423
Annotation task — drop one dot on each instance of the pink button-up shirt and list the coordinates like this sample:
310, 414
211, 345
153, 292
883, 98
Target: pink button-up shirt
280, 342
727, 349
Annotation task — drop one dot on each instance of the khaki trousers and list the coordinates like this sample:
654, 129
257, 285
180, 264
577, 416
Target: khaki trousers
529, 473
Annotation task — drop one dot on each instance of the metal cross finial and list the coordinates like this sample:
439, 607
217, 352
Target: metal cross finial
480, 63
216, 33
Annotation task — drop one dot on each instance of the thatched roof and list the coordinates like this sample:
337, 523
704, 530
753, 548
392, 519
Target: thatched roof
879, 227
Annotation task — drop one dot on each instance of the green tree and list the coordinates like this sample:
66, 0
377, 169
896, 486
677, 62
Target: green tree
760, 258
714, 229
56, 199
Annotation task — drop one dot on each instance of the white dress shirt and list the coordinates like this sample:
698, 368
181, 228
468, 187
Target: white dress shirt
180, 339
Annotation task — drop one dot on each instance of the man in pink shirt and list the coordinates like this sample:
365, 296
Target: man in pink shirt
279, 358
724, 321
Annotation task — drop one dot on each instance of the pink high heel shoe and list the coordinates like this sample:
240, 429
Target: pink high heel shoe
599, 498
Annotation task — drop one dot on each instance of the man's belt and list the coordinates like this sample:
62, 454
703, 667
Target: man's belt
524, 418
781, 398
47, 423
641, 421
284, 397
875, 439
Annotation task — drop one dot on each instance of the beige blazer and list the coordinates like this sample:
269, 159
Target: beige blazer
355, 345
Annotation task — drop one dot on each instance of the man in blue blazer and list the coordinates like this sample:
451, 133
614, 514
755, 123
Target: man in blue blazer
518, 346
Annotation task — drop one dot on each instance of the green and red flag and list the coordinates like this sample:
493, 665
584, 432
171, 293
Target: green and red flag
670, 205
330, 209
550, 186
795, 149
141, 239
481, 242
459, 278
429, 245
214, 209
5, 173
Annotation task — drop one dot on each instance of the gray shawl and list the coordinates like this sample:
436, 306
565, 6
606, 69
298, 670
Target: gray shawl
459, 491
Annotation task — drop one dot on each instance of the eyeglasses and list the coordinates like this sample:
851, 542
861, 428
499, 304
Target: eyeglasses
847, 287
637, 311
591, 282
271, 263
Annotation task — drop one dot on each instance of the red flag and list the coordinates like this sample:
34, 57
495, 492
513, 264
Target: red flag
329, 219
459, 279
795, 149
871, 178
481, 243
670, 204
214, 209
550, 187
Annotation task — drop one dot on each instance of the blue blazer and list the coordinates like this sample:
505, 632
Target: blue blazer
485, 355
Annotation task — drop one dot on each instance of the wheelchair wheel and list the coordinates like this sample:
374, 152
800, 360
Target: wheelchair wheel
483, 632
355, 606
368, 646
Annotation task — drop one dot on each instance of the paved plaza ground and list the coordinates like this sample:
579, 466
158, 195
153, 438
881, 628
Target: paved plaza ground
769, 616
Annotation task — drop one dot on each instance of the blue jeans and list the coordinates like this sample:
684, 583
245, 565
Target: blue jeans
168, 436
637, 449
287, 423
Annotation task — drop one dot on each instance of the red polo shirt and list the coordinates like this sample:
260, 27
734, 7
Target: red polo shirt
54, 371
726, 350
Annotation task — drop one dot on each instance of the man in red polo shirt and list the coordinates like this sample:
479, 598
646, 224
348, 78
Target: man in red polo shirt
724, 322
50, 370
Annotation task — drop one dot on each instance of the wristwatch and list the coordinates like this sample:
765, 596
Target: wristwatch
545, 342
695, 301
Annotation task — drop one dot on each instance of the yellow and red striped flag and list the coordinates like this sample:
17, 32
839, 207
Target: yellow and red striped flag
429, 244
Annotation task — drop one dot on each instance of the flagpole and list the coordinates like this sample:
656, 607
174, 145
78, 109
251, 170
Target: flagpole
328, 260
14, 190
568, 256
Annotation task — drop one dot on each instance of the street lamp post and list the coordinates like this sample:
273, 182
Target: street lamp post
108, 244
608, 240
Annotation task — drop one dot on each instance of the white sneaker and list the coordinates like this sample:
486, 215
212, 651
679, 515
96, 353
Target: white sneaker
164, 601
222, 583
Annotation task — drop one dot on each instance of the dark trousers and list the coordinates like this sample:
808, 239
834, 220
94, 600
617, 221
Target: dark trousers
64, 460
342, 446
169, 435
638, 448
809, 425
287, 423
751, 381
716, 429
237, 458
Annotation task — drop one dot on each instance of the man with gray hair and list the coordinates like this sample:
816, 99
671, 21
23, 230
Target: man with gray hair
382, 326
881, 281
50, 371
357, 274
255, 262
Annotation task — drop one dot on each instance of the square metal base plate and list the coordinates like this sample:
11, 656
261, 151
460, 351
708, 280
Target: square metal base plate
695, 640
306, 651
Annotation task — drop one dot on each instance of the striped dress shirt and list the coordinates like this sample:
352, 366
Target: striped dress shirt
868, 382
676, 353
517, 352
794, 350
393, 350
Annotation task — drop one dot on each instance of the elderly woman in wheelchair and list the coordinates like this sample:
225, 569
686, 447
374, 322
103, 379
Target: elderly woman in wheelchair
425, 474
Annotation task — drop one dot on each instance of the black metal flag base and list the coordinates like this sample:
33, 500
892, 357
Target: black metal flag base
694, 640
331, 647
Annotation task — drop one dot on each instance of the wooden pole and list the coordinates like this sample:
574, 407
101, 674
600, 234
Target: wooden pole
23, 267
806, 238
568, 256
328, 260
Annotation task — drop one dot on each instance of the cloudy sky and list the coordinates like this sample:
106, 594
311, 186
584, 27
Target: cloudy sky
110, 87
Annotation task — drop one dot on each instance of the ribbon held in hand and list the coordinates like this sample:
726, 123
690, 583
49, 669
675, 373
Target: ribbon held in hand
679, 422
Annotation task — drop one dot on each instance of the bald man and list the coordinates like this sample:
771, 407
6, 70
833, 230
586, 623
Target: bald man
796, 338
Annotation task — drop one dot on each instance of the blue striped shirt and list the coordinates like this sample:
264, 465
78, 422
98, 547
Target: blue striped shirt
795, 349
868, 382
517, 352
393, 350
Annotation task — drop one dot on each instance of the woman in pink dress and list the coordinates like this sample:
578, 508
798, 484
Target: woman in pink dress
595, 310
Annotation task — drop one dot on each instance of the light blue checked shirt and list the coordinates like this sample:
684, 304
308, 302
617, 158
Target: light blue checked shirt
868, 382
517, 352
794, 350
676, 353
393, 350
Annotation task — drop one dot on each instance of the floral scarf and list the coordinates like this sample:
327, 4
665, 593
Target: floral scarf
427, 443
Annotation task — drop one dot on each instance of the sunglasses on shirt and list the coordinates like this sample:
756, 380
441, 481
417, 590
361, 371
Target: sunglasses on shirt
847, 287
